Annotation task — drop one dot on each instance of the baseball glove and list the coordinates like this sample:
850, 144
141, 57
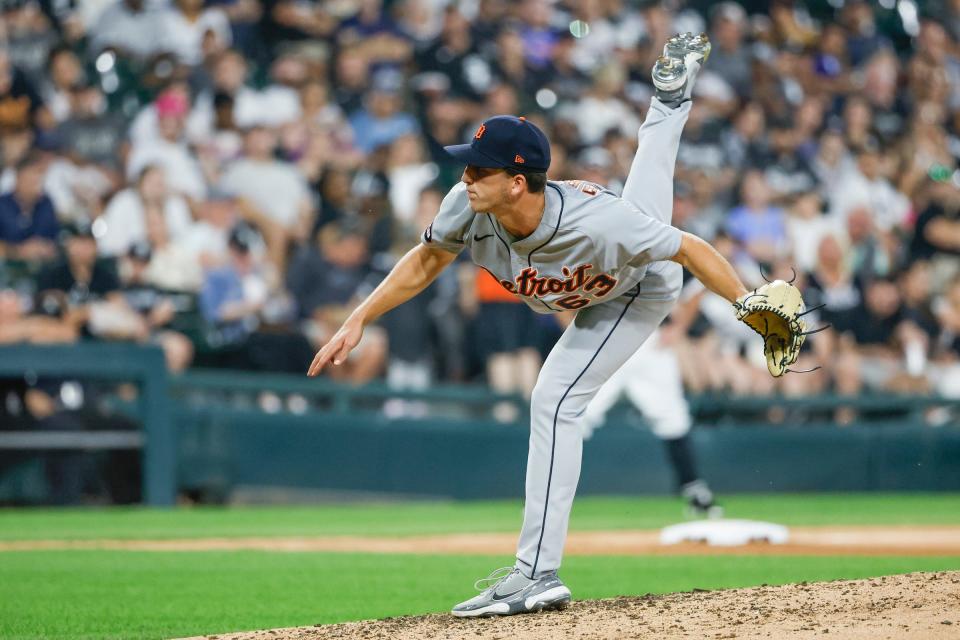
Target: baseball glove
775, 311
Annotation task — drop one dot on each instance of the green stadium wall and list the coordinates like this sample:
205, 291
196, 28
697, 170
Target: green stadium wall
224, 449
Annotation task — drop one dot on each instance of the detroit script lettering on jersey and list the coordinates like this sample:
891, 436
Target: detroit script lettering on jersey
530, 284
589, 247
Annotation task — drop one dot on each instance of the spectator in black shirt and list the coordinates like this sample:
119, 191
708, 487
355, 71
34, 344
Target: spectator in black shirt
832, 284
79, 274
351, 78
880, 338
948, 316
328, 275
34, 405
326, 279
334, 192
787, 172
454, 54
874, 326
91, 289
745, 143
915, 290
19, 101
92, 133
510, 67
863, 36
287, 21
381, 37
936, 234
566, 80
730, 57
157, 308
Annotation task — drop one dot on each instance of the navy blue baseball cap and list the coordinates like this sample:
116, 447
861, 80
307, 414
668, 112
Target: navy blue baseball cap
504, 142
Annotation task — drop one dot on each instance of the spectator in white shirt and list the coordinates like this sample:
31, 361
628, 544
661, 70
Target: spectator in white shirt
173, 267
250, 107
865, 186
280, 100
124, 222
65, 75
832, 162
409, 174
170, 150
132, 28
194, 33
806, 228
208, 236
601, 109
146, 124
272, 193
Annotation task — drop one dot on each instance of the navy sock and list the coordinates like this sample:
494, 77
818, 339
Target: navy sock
681, 457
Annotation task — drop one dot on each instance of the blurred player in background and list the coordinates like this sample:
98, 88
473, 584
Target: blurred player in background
651, 380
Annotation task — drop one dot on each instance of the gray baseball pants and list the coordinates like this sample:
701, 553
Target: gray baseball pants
592, 348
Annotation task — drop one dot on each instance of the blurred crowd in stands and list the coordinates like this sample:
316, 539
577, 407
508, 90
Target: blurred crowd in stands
226, 178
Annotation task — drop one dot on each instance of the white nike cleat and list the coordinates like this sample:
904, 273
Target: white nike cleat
676, 70
512, 592
682, 44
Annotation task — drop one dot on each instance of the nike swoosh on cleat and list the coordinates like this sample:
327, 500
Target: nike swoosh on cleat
477, 238
497, 596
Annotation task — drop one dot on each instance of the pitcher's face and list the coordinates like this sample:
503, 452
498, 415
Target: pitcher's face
486, 188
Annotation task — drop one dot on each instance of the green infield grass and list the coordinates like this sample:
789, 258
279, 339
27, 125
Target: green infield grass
136, 594
461, 517
119, 594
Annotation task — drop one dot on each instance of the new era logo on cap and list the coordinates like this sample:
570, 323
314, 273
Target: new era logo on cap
505, 142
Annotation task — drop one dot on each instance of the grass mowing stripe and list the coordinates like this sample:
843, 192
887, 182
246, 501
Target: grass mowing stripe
104, 594
414, 518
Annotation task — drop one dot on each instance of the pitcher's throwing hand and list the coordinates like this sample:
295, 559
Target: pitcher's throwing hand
338, 348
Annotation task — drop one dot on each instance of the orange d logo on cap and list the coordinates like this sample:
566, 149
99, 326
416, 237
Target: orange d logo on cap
505, 141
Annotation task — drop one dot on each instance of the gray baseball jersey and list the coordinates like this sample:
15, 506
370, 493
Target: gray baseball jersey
605, 256
590, 246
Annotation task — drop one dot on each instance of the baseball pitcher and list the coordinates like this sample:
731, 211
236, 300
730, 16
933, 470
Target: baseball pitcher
572, 245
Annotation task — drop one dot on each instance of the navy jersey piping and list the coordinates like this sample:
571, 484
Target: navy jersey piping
507, 247
491, 273
499, 237
555, 229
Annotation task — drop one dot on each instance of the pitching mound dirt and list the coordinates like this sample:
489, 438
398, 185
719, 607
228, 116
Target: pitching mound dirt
916, 606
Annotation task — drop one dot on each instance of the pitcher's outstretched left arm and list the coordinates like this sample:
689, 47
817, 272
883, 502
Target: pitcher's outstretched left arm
709, 267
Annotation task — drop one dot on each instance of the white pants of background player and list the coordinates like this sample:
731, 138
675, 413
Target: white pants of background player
651, 381
590, 351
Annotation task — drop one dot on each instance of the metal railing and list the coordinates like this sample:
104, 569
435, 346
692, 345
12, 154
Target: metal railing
209, 385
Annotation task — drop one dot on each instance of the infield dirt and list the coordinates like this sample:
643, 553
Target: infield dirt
914, 606
818, 541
